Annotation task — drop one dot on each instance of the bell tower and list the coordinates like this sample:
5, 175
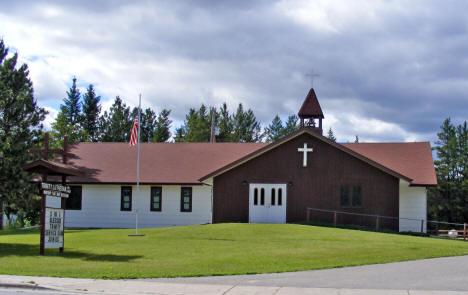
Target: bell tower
311, 111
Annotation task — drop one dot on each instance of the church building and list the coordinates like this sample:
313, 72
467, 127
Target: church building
199, 183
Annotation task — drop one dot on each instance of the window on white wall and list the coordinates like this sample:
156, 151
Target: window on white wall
186, 199
126, 198
73, 202
156, 198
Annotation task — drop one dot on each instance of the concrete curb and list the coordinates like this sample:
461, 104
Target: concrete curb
25, 286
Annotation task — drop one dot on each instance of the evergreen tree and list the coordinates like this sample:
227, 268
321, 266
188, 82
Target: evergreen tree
225, 125
246, 128
356, 140
62, 127
197, 125
274, 131
20, 130
68, 121
116, 125
163, 124
447, 202
72, 104
331, 135
91, 112
291, 125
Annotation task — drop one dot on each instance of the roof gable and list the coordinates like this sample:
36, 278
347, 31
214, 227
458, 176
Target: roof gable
311, 132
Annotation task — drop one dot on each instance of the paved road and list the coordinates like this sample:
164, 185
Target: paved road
449, 273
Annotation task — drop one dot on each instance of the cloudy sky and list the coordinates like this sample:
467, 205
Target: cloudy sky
389, 70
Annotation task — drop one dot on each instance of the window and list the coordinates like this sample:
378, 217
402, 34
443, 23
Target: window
256, 196
186, 199
357, 200
280, 197
273, 197
262, 196
73, 202
126, 198
156, 198
351, 196
344, 196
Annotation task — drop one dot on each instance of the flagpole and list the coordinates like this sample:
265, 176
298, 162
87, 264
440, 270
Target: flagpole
138, 163
138, 144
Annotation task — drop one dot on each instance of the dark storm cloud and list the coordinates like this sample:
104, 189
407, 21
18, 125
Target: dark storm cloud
402, 67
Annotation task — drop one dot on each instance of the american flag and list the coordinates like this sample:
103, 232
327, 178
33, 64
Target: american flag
134, 135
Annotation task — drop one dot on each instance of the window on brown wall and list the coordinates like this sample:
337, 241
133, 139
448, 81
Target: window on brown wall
156, 198
126, 198
350, 196
357, 198
186, 199
73, 202
344, 201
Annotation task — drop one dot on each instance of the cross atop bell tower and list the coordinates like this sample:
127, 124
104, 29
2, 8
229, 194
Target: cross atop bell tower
311, 111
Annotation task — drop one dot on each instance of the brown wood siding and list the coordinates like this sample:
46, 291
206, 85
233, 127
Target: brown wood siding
317, 185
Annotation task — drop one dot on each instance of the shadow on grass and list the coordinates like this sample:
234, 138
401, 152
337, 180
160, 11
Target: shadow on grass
11, 249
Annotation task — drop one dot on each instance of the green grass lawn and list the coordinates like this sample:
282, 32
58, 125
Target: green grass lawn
217, 249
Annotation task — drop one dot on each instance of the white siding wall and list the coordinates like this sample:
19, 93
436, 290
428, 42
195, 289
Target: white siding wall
413, 204
101, 208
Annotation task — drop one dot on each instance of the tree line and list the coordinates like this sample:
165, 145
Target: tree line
80, 119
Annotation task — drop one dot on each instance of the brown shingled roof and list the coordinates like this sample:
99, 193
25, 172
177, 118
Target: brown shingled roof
412, 159
187, 163
160, 163
310, 107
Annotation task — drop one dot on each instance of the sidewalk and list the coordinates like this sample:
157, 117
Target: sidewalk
151, 287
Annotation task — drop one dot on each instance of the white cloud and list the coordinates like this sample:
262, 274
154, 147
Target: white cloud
50, 118
383, 64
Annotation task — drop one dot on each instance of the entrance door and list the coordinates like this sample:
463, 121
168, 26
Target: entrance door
267, 203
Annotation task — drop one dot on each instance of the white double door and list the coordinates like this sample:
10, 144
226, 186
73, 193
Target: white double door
267, 203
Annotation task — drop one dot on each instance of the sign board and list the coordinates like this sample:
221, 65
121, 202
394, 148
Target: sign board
53, 231
55, 190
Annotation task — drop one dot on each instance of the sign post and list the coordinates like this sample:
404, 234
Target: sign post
53, 219
53, 195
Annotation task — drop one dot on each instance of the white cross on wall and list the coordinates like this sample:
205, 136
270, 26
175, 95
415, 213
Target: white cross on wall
305, 150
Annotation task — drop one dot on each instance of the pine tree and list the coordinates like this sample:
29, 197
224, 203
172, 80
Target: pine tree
197, 125
246, 128
331, 135
163, 125
20, 130
62, 127
443, 199
72, 104
91, 112
274, 131
68, 122
225, 125
291, 125
356, 140
116, 125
